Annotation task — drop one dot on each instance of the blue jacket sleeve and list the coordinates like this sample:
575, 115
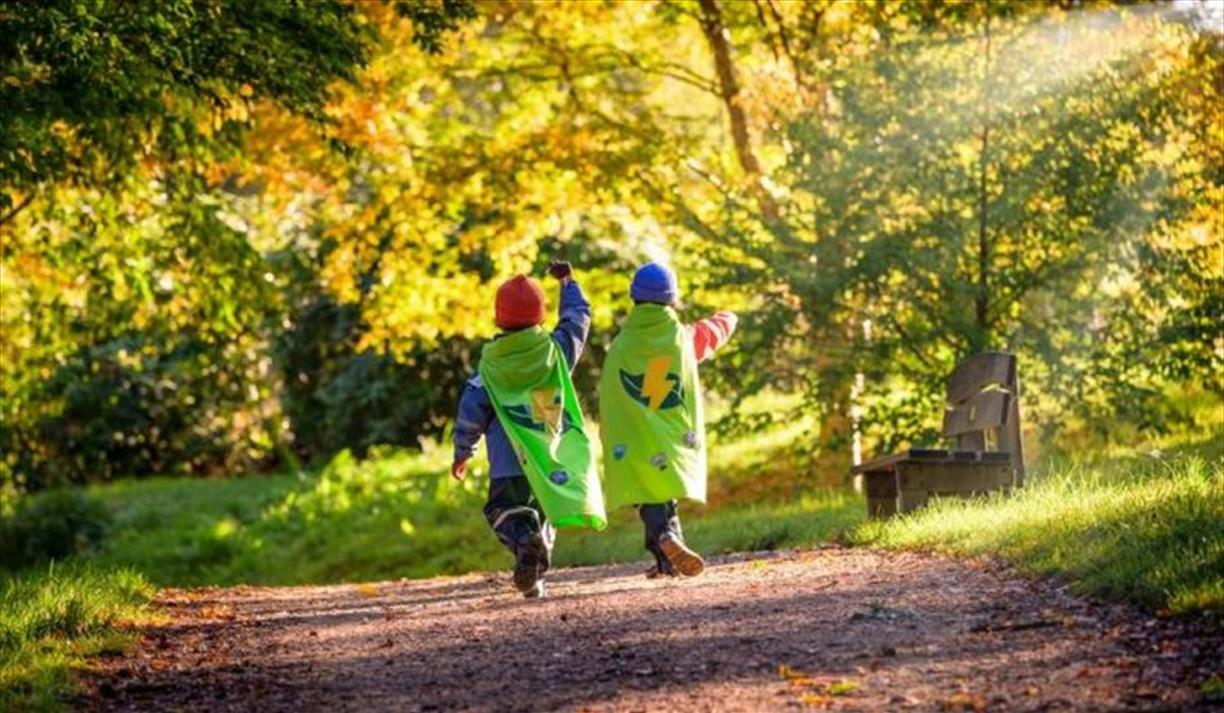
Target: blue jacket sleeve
574, 323
475, 416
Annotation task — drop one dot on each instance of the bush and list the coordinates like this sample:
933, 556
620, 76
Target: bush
51, 526
339, 397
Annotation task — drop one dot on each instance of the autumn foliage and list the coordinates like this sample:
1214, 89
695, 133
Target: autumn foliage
273, 231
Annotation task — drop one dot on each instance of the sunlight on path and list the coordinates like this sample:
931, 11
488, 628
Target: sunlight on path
832, 628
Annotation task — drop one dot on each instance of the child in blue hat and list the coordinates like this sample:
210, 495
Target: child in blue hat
651, 418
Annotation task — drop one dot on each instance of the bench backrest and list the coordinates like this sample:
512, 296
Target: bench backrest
984, 406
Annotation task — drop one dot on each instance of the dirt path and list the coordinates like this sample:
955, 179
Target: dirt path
845, 629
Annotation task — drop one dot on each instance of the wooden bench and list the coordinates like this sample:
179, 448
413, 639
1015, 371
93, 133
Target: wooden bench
983, 421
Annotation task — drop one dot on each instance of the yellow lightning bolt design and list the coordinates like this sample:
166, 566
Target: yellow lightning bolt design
544, 409
655, 384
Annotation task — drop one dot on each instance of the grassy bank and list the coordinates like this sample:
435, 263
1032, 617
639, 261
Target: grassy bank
398, 514
1146, 527
1141, 526
52, 619
395, 515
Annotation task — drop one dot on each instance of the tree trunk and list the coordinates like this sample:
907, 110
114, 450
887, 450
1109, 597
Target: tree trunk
728, 84
981, 336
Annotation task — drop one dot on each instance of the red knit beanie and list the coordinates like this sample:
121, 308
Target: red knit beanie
520, 303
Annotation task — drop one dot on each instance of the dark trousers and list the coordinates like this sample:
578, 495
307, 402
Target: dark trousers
660, 519
514, 513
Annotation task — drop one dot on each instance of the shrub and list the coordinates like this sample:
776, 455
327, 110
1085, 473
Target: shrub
51, 526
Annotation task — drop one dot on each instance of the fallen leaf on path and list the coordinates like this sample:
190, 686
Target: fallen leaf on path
992, 626
815, 700
965, 702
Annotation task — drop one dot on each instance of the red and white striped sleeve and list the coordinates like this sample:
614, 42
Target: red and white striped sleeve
711, 333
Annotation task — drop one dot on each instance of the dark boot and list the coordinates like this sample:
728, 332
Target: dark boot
661, 568
530, 564
522, 528
665, 540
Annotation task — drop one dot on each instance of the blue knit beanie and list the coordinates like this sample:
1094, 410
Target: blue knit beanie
654, 282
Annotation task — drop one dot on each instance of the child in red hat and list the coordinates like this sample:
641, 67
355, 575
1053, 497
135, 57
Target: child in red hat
512, 509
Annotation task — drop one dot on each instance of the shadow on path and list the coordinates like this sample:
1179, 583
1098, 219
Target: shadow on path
853, 629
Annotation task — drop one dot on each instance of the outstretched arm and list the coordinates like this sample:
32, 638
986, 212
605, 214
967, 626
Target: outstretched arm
711, 333
574, 315
474, 418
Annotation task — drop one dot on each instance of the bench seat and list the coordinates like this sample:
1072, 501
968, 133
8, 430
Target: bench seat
981, 421
930, 455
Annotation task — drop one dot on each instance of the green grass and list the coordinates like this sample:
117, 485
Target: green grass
175, 530
1138, 528
397, 514
393, 515
52, 619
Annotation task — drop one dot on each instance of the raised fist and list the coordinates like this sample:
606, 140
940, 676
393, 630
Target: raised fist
561, 269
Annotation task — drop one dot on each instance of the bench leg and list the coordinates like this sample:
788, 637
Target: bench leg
881, 508
911, 495
881, 491
910, 500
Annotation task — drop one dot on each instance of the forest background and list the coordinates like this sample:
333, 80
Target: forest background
228, 248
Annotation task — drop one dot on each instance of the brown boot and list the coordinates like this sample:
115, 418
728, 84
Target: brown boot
685, 561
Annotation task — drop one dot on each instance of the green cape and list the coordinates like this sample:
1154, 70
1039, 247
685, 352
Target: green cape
651, 423
528, 382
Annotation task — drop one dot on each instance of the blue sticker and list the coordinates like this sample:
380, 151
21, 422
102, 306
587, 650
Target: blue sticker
619, 451
559, 477
690, 439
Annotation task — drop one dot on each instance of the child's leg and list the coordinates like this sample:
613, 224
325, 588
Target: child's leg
665, 540
519, 523
508, 510
657, 518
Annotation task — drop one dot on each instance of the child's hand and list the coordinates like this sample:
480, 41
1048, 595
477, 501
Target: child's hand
561, 269
459, 470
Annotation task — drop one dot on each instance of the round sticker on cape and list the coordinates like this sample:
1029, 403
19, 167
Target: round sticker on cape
619, 451
559, 477
690, 439
659, 461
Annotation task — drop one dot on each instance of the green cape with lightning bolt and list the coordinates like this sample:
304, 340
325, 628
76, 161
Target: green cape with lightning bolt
651, 423
528, 383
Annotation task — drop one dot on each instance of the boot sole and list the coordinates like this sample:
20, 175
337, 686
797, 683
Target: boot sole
527, 570
686, 562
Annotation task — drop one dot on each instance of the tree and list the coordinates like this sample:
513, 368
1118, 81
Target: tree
210, 276
92, 87
980, 176
137, 303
